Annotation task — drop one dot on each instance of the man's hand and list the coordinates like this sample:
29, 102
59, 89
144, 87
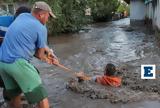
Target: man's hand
55, 61
47, 55
52, 57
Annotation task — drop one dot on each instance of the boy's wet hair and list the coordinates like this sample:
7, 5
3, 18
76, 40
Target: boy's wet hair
110, 69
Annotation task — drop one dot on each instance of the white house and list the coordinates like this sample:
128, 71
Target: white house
145, 11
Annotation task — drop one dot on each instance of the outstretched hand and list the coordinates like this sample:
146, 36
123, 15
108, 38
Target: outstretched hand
80, 74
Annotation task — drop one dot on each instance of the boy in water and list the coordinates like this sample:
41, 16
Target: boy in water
109, 77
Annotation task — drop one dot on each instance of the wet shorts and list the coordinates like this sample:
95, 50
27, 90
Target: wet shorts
21, 76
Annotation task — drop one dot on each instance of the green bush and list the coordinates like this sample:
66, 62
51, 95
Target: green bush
102, 9
71, 13
123, 7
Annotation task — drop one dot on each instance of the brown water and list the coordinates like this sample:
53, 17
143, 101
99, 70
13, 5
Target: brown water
90, 51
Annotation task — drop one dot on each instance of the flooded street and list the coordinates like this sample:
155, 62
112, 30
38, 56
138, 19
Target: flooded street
114, 42
89, 51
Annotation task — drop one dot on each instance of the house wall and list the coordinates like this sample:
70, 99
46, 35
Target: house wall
137, 12
153, 13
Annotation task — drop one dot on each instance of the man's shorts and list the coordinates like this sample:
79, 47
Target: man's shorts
21, 76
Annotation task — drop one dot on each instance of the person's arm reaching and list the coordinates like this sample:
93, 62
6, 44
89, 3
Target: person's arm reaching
82, 76
45, 54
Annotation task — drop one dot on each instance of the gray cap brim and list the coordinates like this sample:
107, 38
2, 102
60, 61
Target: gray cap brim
52, 15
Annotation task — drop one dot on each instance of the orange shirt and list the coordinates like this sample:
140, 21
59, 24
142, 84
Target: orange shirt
109, 80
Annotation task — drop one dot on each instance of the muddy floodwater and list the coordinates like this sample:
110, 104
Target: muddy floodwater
89, 51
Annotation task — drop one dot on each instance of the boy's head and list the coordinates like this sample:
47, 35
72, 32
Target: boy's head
110, 69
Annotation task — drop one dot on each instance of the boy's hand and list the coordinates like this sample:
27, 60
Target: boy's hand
80, 74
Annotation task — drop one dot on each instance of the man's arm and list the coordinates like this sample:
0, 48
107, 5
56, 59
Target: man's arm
45, 54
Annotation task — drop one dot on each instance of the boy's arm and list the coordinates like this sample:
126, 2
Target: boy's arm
82, 76
87, 78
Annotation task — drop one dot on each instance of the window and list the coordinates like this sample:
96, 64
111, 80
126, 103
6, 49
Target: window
6, 9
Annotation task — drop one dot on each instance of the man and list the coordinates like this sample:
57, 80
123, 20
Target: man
26, 37
4, 24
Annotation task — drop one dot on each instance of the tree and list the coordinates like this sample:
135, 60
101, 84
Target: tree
123, 7
71, 13
102, 9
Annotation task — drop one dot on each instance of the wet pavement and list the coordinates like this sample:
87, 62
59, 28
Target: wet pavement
113, 42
